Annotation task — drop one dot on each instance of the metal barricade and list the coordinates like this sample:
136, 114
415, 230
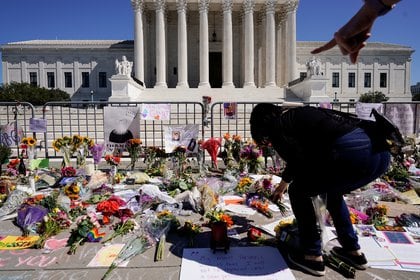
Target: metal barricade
88, 119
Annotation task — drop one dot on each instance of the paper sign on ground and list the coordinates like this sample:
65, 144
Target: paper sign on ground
18, 242
265, 263
106, 255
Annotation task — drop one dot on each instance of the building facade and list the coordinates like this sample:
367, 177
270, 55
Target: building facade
207, 45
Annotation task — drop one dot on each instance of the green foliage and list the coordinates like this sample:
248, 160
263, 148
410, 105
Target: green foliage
416, 97
25, 92
5, 153
373, 97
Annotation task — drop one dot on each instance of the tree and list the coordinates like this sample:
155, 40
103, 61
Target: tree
416, 97
35, 95
373, 97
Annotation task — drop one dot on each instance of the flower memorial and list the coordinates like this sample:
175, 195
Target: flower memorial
191, 230
86, 230
218, 215
70, 145
212, 146
134, 149
251, 159
113, 161
97, 151
149, 203
29, 144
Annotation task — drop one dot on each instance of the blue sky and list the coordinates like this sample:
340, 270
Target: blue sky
317, 20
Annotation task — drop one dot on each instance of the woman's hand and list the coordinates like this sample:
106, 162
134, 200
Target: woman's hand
352, 36
279, 191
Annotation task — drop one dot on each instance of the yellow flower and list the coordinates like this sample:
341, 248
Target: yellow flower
30, 141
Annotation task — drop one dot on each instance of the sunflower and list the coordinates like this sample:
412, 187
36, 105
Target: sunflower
30, 141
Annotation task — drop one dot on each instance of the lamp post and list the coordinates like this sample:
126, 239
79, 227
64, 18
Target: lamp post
335, 97
91, 95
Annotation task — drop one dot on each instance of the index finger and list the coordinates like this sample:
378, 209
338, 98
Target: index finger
325, 47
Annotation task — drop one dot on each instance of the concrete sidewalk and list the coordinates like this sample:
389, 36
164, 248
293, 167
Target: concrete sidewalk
58, 265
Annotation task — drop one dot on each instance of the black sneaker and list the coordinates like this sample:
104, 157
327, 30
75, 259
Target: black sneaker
316, 268
359, 262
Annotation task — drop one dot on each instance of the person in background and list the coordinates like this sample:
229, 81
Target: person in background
325, 154
351, 38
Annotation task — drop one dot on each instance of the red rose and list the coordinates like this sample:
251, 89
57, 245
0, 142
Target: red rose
254, 234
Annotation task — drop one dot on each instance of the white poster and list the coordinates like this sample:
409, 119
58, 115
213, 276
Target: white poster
363, 110
155, 112
181, 135
10, 134
402, 115
265, 263
120, 125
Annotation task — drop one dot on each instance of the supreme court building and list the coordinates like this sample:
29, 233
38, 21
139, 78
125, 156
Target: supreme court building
231, 49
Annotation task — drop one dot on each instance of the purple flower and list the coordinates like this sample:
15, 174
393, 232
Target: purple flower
29, 215
97, 151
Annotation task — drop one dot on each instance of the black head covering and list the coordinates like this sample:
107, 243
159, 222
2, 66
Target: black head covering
263, 121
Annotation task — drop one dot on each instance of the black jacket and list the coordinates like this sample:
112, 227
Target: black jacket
304, 136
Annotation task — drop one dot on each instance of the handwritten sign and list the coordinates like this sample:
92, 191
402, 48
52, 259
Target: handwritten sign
17, 242
155, 112
363, 110
402, 115
239, 263
10, 134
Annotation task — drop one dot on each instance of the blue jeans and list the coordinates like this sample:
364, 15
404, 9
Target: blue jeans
351, 165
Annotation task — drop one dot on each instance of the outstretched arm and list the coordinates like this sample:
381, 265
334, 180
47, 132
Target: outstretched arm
352, 36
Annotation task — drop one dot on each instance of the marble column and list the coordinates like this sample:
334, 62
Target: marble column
281, 46
160, 45
270, 53
182, 45
204, 43
227, 44
249, 43
291, 41
138, 7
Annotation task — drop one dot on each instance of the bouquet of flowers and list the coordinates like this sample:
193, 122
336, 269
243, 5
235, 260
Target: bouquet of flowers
212, 146
68, 171
63, 145
190, 230
29, 144
114, 161
179, 159
81, 145
52, 224
72, 190
86, 230
109, 208
135, 246
244, 185
218, 215
97, 151
251, 158
134, 148
69, 145
255, 235
259, 203
155, 161
158, 226
28, 216
123, 228
264, 188
377, 215
228, 150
